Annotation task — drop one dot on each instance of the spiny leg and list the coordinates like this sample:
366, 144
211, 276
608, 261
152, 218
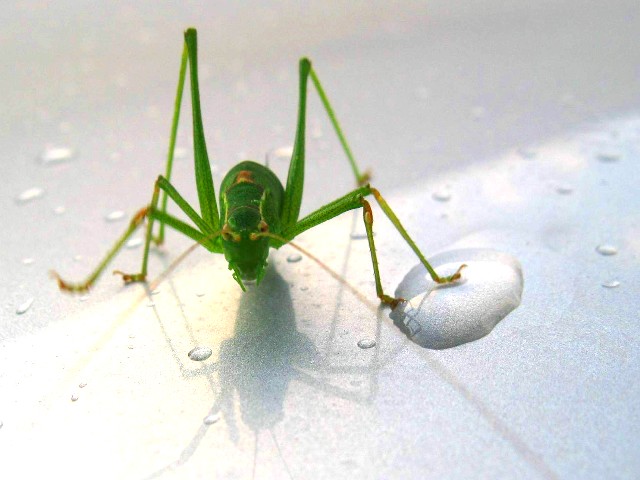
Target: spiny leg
159, 239
295, 178
361, 178
170, 191
204, 179
350, 201
152, 214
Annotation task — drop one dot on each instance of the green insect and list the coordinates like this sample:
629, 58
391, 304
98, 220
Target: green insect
256, 212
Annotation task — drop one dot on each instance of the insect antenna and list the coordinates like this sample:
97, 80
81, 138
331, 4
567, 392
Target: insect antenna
361, 296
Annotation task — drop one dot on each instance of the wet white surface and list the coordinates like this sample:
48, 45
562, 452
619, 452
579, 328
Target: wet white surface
496, 104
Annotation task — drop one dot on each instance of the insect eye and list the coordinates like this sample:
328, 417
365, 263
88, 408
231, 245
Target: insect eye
229, 235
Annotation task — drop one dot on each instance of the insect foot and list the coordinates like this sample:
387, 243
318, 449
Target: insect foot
130, 278
70, 287
454, 277
391, 301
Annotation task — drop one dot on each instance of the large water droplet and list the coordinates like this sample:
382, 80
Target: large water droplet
606, 249
24, 306
444, 316
367, 343
55, 155
200, 353
30, 194
611, 284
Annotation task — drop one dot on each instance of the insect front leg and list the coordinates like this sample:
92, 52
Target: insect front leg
203, 236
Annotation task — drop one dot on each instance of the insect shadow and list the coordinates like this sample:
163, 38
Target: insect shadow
266, 353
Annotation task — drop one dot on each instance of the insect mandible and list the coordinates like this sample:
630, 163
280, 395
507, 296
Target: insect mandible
256, 212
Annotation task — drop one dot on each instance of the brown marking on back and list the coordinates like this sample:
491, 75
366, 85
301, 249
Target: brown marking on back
244, 176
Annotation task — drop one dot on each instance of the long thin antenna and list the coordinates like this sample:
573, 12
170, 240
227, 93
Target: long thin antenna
363, 298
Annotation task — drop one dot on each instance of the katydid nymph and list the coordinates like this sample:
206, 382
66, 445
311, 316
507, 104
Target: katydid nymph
256, 212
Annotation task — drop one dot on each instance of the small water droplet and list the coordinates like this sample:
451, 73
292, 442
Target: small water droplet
367, 343
200, 353
56, 155
564, 189
151, 304
77, 258
114, 216
527, 153
606, 249
358, 236
422, 93
199, 294
130, 347
115, 156
84, 298
442, 195
444, 316
59, 210
180, 152
30, 194
1, 424
155, 292
74, 397
134, 243
304, 288
294, 257
27, 261
477, 112
211, 419
24, 306
611, 284
609, 156
82, 384
281, 153
316, 132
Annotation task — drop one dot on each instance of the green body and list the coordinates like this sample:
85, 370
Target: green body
251, 201
256, 211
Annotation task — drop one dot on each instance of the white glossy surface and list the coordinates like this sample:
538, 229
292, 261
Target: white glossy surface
497, 103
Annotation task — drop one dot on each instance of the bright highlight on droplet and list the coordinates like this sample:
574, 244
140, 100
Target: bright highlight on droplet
24, 306
55, 155
607, 250
30, 194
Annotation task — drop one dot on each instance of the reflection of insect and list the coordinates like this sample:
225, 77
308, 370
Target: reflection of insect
256, 212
